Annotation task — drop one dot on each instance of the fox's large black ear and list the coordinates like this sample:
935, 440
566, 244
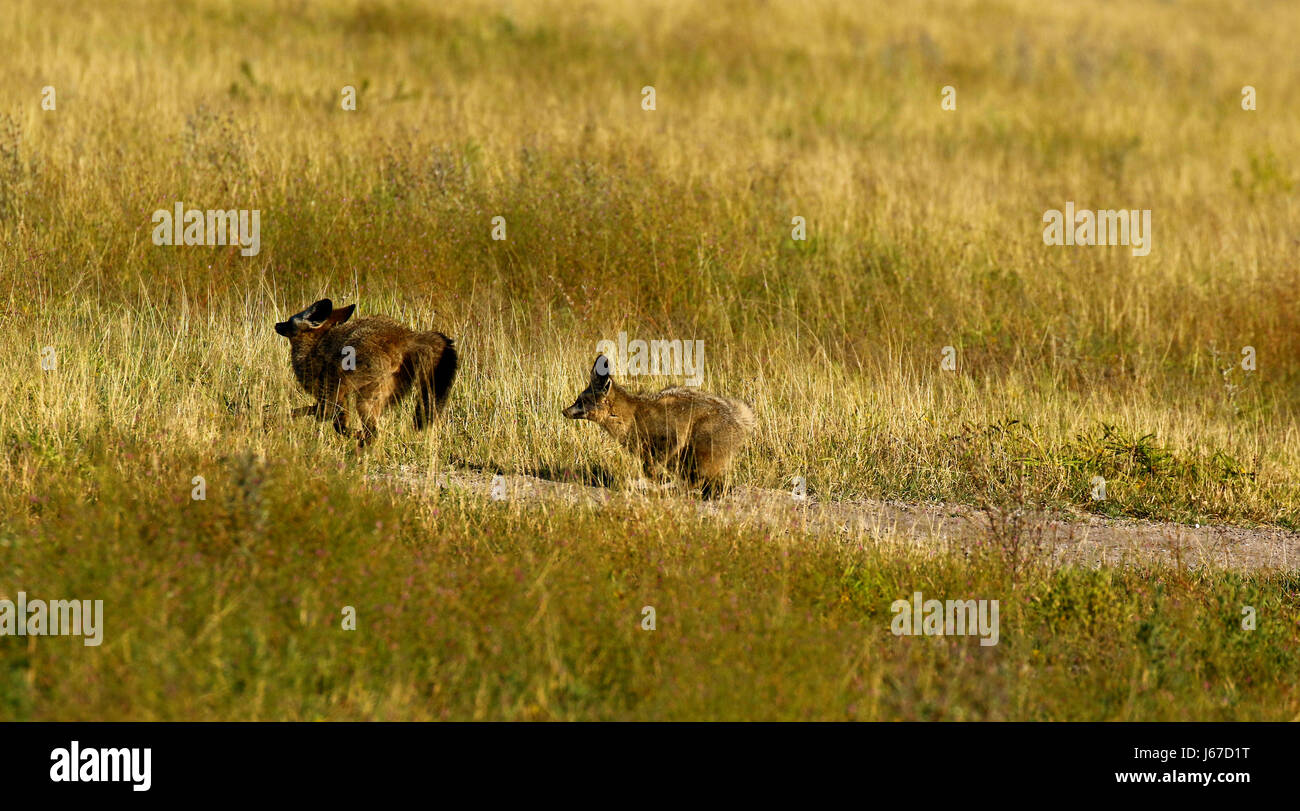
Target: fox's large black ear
600, 373
316, 313
341, 314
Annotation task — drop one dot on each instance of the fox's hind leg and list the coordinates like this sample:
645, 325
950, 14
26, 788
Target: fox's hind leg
706, 466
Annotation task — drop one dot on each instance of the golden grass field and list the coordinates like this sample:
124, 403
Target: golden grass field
924, 230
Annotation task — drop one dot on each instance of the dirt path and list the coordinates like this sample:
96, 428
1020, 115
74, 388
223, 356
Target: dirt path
1081, 538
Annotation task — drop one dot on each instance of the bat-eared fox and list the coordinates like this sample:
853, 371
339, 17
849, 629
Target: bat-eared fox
677, 431
375, 358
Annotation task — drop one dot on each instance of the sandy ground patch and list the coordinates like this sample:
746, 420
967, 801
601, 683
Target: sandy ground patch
942, 528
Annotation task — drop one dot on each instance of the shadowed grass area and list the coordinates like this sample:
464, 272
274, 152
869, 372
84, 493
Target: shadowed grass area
232, 607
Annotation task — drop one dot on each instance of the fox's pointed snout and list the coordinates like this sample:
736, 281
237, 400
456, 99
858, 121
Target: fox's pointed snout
573, 412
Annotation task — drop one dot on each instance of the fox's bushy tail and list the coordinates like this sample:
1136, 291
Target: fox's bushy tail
430, 368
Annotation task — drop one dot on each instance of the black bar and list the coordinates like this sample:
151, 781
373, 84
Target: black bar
609, 763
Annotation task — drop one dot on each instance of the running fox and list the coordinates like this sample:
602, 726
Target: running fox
376, 358
677, 431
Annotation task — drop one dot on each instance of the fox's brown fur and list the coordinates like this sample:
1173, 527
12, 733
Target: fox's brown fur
677, 431
390, 361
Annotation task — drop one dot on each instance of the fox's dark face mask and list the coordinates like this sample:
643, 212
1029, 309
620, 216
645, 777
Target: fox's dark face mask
309, 319
594, 396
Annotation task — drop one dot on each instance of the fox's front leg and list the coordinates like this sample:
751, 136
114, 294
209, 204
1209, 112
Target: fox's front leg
369, 405
663, 458
661, 466
655, 476
321, 410
272, 414
330, 408
340, 420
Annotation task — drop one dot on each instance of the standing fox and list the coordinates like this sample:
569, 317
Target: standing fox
376, 358
677, 431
